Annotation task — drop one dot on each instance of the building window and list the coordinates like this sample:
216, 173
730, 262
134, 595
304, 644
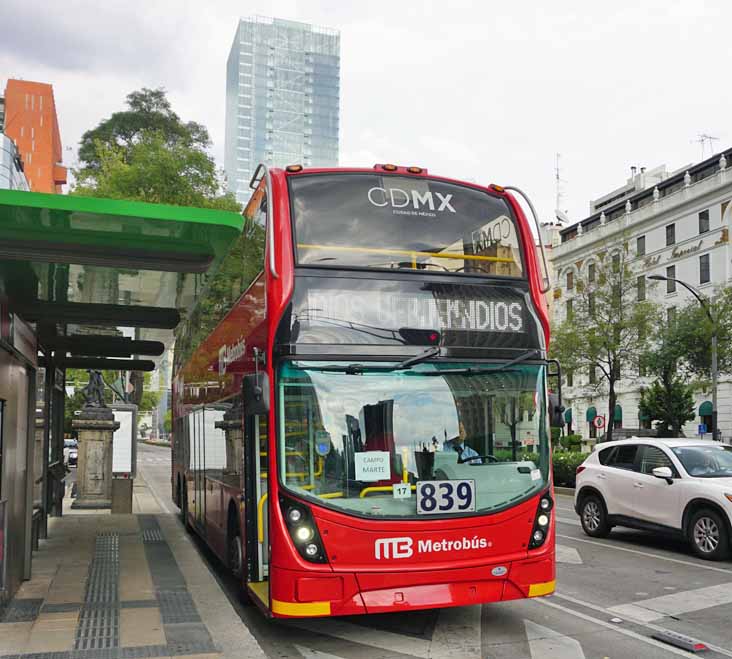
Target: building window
591, 273
569, 310
616, 263
670, 234
641, 287
670, 315
570, 280
704, 277
570, 378
591, 304
704, 221
640, 246
592, 375
671, 281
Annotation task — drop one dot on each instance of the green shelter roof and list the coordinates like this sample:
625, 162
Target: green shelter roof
591, 414
62, 258
705, 409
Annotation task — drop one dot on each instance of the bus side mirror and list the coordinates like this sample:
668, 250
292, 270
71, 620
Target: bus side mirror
255, 390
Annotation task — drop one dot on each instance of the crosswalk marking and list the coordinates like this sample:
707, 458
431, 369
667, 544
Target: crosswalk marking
546, 643
565, 554
376, 638
676, 603
309, 653
457, 633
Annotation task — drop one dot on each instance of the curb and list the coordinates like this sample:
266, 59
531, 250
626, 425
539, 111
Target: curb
564, 490
153, 443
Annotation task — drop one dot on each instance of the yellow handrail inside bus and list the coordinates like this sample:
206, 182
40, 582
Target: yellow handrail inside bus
331, 495
260, 517
380, 488
410, 252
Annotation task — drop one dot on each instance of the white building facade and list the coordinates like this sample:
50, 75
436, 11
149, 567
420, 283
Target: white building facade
12, 176
676, 226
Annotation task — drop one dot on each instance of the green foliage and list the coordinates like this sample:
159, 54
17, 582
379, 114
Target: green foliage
149, 111
670, 404
571, 442
556, 433
565, 467
168, 422
692, 334
608, 328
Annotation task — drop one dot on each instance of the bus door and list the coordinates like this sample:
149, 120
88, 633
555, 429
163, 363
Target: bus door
256, 504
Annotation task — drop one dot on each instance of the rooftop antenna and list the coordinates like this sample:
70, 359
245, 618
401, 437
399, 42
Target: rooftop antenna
705, 140
558, 212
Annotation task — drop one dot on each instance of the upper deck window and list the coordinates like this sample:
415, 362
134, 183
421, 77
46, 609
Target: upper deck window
378, 221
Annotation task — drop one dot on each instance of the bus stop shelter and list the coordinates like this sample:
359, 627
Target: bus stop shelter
74, 271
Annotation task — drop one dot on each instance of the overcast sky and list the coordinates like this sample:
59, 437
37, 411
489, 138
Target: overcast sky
484, 91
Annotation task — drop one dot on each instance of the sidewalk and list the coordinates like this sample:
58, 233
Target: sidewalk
121, 586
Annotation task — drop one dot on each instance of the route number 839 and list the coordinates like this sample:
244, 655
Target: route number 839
445, 497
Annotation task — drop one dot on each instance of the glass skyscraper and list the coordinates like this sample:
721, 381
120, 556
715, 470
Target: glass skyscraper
282, 98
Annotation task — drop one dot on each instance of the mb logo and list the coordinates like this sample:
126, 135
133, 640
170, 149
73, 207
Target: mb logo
393, 548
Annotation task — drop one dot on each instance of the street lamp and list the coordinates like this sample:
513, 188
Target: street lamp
705, 305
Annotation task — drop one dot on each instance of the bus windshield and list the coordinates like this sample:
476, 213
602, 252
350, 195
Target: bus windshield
413, 223
362, 441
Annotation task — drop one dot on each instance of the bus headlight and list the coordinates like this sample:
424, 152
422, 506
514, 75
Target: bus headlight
303, 530
304, 533
542, 521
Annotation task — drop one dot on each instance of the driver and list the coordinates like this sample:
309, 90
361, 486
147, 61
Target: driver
458, 445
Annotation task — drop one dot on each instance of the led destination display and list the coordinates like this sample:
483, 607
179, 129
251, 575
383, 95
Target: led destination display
390, 310
357, 311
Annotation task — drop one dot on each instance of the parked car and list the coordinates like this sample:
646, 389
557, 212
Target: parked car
71, 452
677, 486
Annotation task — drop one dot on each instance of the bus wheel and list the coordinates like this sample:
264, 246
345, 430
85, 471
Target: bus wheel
184, 507
236, 559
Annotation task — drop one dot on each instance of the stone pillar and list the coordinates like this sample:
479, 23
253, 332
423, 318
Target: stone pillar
39, 460
233, 427
96, 425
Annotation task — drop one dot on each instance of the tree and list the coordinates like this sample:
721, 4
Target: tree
146, 153
693, 334
607, 329
149, 111
670, 403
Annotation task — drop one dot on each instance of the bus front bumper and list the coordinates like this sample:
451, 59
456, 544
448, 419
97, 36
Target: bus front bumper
298, 594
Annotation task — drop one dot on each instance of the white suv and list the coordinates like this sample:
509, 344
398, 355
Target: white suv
680, 486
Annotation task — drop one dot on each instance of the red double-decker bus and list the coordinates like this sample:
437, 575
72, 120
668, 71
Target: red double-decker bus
360, 398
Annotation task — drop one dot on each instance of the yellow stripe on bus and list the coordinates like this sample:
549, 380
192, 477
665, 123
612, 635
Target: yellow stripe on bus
301, 608
539, 589
412, 253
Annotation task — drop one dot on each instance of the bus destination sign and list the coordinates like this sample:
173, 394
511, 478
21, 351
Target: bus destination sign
393, 310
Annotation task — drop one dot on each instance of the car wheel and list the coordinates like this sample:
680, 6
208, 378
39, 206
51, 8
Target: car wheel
708, 535
593, 517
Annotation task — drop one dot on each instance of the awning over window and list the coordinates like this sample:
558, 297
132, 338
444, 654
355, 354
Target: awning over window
643, 417
568, 415
591, 414
618, 414
705, 409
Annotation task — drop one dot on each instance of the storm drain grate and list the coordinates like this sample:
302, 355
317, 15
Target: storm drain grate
152, 535
21, 610
98, 627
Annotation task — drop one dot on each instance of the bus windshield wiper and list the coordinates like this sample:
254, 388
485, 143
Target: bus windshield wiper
356, 369
482, 369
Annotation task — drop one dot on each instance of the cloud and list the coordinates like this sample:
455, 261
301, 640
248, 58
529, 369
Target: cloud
469, 90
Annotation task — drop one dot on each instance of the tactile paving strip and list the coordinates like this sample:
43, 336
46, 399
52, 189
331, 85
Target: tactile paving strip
21, 610
98, 627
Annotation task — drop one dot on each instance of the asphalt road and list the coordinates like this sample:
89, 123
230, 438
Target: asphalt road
612, 596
